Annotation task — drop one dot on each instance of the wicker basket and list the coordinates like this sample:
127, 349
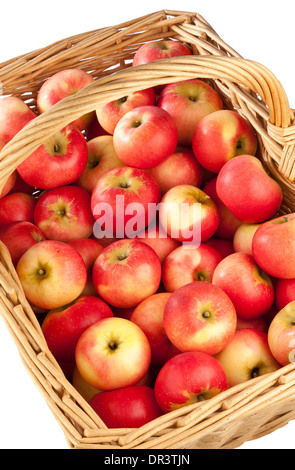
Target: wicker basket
244, 412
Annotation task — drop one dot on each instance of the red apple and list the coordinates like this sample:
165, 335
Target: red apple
157, 238
94, 130
134, 265
243, 238
52, 274
89, 249
251, 199
21, 186
145, 137
273, 246
113, 353
148, 315
157, 50
101, 158
64, 214
189, 101
110, 114
128, 407
284, 292
220, 136
250, 289
224, 247
188, 264
19, 237
14, 115
17, 207
189, 378
63, 327
200, 317
124, 202
188, 214
8, 185
281, 335
58, 162
179, 168
247, 356
60, 85
228, 223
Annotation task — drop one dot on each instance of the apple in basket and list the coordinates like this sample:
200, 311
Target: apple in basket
188, 378
190, 263
14, 115
19, 237
200, 317
220, 136
243, 238
145, 137
188, 101
157, 238
128, 407
17, 207
101, 158
157, 50
61, 85
247, 356
110, 114
281, 335
113, 353
248, 286
52, 274
181, 167
58, 162
64, 214
284, 292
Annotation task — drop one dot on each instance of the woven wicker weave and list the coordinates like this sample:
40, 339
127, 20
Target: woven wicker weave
246, 411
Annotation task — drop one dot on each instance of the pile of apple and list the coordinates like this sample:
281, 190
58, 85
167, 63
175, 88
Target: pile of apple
147, 239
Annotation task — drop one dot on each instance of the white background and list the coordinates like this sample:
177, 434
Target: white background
262, 30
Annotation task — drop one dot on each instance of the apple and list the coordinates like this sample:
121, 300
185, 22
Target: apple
58, 162
243, 238
259, 324
179, 168
281, 335
200, 317
52, 274
224, 247
248, 286
157, 50
60, 85
145, 137
110, 114
228, 223
188, 214
64, 214
20, 186
156, 237
94, 130
188, 378
273, 246
137, 268
101, 158
119, 194
128, 407
247, 356
253, 199
19, 237
188, 264
113, 353
63, 327
188, 101
148, 315
89, 249
221, 136
17, 207
14, 115
8, 185
284, 292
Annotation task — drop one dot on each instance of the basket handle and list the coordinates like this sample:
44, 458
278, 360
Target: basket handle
238, 78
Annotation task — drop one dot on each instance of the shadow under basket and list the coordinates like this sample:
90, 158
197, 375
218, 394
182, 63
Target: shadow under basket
244, 412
